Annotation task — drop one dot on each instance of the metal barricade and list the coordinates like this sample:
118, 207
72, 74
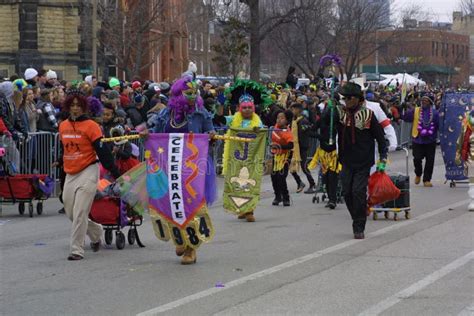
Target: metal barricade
12, 155
405, 134
140, 144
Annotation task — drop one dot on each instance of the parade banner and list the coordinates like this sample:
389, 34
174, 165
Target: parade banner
244, 171
176, 175
453, 110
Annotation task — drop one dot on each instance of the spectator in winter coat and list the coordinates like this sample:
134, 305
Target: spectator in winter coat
47, 115
51, 79
133, 111
8, 110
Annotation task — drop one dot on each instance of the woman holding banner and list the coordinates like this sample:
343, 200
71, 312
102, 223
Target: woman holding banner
180, 173
243, 162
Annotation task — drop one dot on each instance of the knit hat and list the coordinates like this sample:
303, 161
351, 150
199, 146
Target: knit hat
30, 73
19, 85
113, 82
118, 131
88, 79
136, 85
51, 75
97, 91
154, 87
138, 98
164, 87
6, 88
112, 95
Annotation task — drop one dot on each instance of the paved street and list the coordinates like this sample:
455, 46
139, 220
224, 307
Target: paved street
292, 261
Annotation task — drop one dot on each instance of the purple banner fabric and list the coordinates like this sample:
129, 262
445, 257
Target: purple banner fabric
176, 166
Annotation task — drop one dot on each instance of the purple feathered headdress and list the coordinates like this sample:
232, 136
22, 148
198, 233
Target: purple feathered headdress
179, 103
95, 106
327, 60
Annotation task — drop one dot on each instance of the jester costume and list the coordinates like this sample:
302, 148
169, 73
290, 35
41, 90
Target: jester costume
243, 162
282, 144
178, 175
465, 152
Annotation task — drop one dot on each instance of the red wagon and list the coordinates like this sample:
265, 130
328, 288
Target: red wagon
24, 188
113, 214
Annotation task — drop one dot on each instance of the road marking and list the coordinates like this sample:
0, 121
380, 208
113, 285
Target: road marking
412, 289
211, 291
468, 311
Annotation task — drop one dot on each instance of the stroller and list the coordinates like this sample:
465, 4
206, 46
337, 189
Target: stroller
321, 193
23, 188
113, 214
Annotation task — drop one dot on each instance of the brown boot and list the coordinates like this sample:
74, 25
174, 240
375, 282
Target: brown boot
417, 180
189, 256
249, 217
428, 184
242, 216
180, 250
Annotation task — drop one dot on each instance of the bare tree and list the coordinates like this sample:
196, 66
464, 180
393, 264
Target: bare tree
232, 47
302, 41
260, 20
466, 7
133, 32
355, 32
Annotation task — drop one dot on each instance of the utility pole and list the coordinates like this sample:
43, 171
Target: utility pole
94, 37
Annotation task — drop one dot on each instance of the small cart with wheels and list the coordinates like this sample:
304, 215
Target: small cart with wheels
24, 189
402, 203
321, 193
113, 214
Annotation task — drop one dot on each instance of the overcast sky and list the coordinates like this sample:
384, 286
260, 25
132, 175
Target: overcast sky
442, 10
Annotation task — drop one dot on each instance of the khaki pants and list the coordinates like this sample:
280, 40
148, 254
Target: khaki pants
78, 195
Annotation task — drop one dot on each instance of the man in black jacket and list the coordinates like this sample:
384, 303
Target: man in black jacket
357, 129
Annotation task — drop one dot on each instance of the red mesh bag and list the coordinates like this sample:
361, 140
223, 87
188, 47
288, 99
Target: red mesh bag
381, 189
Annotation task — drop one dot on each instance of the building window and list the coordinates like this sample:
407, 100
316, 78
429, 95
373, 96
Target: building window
467, 52
436, 44
209, 69
452, 50
432, 48
202, 42
195, 42
202, 67
190, 42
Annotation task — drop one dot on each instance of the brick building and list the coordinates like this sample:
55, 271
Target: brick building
41, 34
162, 50
464, 24
439, 55
57, 34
